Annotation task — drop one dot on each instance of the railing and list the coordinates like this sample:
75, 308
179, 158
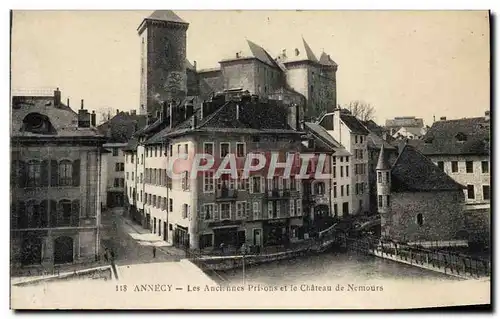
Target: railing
226, 194
444, 261
278, 194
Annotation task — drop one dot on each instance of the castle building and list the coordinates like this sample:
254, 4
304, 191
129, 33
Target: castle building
418, 202
295, 76
55, 182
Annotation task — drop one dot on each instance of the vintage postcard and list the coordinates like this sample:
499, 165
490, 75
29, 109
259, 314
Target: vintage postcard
175, 159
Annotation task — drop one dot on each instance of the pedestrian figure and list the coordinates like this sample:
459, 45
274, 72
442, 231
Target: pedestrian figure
106, 253
222, 247
112, 254
243, 249
154, 251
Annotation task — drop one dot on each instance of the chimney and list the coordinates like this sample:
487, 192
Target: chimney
172, 113
117, 111
237, 112
133, 112
92, 118
81, 105
189, 110
57, 97
443, 118
194, 122
487, 115
67, 102
194, 64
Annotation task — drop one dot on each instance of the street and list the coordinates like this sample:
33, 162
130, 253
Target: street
130, 243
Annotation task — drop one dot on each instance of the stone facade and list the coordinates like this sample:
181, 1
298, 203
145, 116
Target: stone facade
442, 216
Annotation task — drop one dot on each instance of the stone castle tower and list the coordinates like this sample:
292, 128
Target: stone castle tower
163, 60
384, 192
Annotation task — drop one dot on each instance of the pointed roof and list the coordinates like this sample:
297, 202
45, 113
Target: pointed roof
326, 60
414, 172
253, 50
382, 160
165, 15
302, 52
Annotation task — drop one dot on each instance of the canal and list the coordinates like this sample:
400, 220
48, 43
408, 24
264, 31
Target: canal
330, 269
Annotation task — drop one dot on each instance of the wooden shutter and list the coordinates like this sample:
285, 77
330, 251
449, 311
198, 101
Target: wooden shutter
216, 212
262, 185
53, 213
23, 174
54, 170
270, 209
247, 210
75, 209
45, 173
21, 215
76, 173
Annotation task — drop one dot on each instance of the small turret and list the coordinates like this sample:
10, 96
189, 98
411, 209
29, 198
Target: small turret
384, 192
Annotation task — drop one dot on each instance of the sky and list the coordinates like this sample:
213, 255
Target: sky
404, 63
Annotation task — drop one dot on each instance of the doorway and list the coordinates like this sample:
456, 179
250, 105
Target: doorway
63, 250
31, 251
257, 237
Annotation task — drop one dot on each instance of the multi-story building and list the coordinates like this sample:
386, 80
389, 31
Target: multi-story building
55, 182
337, 192
205, 210
118, 130
166, 75
394, 125
352, 134
461, 148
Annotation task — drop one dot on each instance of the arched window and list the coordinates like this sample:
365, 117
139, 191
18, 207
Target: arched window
65, 173
420, 219
34, 174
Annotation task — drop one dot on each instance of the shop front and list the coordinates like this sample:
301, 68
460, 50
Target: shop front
276, 232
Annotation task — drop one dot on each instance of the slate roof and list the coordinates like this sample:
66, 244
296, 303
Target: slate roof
326, 60
63, 119
254, 118
324, 137
375, 142
441, 139
382, 160
302, 52
253, 50
121, 127
414, 172
165, 15
353, 124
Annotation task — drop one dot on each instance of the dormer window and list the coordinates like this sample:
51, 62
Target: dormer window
37, 123
461, 137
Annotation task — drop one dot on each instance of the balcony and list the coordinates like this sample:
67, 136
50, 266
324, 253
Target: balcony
276, 194
225, 194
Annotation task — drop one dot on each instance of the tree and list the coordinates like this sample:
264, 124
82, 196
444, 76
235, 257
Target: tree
104, 115
360, 109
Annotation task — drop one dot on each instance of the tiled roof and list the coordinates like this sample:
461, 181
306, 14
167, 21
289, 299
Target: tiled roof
261, 54
326, 60
165, 15
412, 171
132, 144
353, 124
254, 118
121, 127
443, 138
302, 52
63, 119
322, 135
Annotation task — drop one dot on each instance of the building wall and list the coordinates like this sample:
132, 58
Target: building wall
341, 199
239, 74
298, 79
165, 69
359, 151
210, 82
442, 212
373, 156
478, 179
116, 156
144, 69
84, 231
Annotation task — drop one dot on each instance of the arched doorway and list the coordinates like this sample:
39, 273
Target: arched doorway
31, 251
63, 250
